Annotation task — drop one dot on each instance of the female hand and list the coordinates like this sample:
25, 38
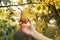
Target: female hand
30, 30
27, 29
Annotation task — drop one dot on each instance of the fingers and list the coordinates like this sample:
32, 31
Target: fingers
31, 24
20, 22
30, 20
24, 26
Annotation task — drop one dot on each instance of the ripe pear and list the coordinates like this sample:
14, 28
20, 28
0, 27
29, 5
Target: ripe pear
24, 18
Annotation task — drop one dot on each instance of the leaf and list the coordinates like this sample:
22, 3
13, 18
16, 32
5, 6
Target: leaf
33, 0
39, 0
3, 14
46, 8
20, 2
56, 0
57, 7
28, 1
11, 13
51, 3
26, 10
30, 5
47, 1
12, 19
5, 21
38, 6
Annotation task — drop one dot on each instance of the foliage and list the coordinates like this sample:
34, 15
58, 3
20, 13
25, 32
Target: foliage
41, 13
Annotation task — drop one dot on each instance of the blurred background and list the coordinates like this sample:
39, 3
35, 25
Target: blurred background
44, 13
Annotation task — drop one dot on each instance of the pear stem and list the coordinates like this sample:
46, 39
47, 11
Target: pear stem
20, 10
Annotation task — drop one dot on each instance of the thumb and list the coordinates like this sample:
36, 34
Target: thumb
31, 24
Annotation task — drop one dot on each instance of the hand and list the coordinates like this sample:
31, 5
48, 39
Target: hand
30, 30
27, 29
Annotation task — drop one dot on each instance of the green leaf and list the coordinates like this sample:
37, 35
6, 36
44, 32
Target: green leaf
11, 13
12, 19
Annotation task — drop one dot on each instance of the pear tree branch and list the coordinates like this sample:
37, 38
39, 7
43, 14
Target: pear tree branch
18, 5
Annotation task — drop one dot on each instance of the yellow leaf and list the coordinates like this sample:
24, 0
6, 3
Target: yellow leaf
51, 2
26, 10
56, 0
33, 0
46, 8
39, 6
57, 6
30, 5
47, 1
3, 14
20, 2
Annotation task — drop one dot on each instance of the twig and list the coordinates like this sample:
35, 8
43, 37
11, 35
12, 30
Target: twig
19, 5
20, 10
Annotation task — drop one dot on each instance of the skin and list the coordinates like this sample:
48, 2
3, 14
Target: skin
30, 30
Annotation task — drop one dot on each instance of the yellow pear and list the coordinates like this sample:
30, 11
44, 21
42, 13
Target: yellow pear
23, 18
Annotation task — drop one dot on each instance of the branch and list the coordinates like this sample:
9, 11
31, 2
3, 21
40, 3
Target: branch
19, 5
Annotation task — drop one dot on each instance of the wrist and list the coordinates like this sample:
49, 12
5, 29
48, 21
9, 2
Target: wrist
34, 35
39, 36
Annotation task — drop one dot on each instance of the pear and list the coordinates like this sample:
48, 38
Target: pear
23, 18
